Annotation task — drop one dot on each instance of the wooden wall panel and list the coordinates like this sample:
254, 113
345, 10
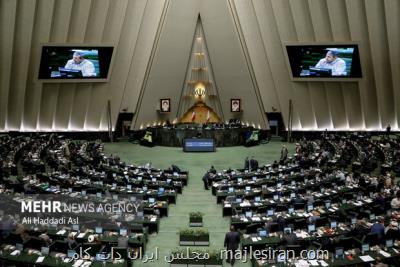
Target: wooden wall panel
8, 11
19, 69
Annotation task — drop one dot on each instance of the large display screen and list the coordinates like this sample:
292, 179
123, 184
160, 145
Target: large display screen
199, 145
324, 61
75, 62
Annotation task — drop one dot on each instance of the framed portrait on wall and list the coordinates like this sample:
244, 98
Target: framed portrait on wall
165, 105
235, 105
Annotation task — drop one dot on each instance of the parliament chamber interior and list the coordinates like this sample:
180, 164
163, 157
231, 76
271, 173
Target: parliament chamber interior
171, 133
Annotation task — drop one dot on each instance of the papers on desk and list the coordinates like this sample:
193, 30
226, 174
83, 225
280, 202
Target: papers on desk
384, 253
255, 239
40, 259
302, 234
153, 219
314, 262
15, 253
301, 263
78, 263
323, 263
228, 205
366, 258
256, 219
81, 235
61, 232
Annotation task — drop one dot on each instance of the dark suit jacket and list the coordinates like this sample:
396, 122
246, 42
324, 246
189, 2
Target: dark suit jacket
232, 240
291, 239
246, 164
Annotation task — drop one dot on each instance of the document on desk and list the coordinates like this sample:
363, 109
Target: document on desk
323, 263
301, 263
15, 252
153, 219
61, 232
81, 235
366, 258
78, 263
254, 239
313, 262
228, 205
384, 253
40, 259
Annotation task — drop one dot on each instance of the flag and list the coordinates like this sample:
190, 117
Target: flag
193, 115
208, 116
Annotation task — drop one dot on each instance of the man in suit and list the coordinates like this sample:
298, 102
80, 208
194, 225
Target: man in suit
284, 154
232, 240
290, 238
253, 164
379, 228
206, 180
246, 163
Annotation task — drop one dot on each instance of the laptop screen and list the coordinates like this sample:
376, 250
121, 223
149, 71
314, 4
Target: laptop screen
262, 233
365, 248
339, 251
389, 243
123, 231
45, 251
71, 253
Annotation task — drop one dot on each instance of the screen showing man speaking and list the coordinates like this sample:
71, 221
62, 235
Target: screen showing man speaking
324, 61
60, 62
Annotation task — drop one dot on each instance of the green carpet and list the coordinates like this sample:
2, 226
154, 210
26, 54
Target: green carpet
194, 197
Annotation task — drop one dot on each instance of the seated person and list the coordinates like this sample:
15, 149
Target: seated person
78, 62
331, 61
45, 238
71, 242
395, 203
290, 238
379, 263
392, 230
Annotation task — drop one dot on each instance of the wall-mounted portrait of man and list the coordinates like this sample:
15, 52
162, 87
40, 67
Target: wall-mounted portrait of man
165, 105
235, 105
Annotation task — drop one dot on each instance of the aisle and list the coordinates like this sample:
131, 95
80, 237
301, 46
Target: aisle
194, 197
